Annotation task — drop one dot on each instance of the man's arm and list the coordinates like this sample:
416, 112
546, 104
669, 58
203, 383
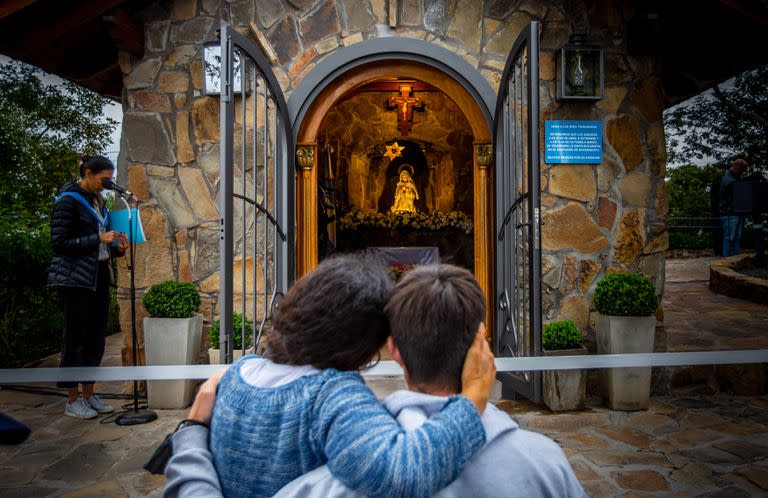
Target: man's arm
190, 471
369, 452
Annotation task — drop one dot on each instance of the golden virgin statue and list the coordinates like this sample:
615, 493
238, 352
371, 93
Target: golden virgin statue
405, 193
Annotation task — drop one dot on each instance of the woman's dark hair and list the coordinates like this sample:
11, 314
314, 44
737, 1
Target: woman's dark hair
96, 164
434, 312
333, 317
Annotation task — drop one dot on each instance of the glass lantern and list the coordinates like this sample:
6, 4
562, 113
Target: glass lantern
580, 76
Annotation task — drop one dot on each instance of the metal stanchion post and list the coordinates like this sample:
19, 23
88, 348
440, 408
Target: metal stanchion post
136, 415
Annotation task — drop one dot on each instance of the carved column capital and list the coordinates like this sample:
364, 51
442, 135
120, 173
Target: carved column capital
305, 156
484, 155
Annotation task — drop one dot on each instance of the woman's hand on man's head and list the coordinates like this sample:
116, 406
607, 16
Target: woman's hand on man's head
479, 371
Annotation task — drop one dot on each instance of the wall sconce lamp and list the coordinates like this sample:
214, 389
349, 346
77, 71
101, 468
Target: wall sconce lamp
212, 69
580, 73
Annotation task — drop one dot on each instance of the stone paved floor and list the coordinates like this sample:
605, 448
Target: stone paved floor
684, 445
697, 319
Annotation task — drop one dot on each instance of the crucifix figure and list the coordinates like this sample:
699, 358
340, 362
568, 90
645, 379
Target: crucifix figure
405, 104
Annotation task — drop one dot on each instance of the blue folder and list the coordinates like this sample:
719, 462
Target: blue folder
118, 221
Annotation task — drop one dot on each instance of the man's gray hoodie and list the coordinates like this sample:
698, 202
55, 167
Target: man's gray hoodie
514, 462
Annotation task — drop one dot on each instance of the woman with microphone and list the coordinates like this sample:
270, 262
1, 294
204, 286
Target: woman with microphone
81, 273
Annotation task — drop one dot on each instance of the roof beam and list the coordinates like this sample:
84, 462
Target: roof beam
35, 40
10, 7
127, 33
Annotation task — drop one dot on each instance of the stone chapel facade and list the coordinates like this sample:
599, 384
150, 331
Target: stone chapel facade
596, 219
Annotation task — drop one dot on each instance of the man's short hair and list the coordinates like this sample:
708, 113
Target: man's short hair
740, 163
434, 312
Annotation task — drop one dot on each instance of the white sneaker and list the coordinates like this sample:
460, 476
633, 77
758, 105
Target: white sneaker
80, 409
97, 404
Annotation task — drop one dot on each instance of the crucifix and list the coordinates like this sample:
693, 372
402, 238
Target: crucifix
405, 104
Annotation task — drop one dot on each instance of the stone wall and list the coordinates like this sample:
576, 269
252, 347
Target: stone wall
597, 219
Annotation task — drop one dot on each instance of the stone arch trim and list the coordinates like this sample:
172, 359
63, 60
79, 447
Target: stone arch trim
306, 130
366, 59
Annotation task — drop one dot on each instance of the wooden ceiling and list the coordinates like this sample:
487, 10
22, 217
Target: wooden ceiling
75, 39
700, 42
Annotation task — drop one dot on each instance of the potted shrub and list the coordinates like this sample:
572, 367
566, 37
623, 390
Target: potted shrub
563, 389
214, 353
626, 323
172, 334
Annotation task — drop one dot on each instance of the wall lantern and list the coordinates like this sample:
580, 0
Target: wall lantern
212, 69
580, 75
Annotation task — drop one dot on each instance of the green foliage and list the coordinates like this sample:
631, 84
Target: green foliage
689, 189
44, 129
30, 320
689, 193
561, 335
626, 294
691, 239
171, 299
237, 332
719, 124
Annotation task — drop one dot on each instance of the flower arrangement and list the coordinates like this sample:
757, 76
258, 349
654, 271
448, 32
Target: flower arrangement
397, 270
418, 221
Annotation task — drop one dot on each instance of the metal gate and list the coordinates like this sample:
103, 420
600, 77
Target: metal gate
255, 190
517, 214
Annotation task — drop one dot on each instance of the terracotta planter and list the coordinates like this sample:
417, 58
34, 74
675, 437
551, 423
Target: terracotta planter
626, 388
214, 355
171, 341
565, 389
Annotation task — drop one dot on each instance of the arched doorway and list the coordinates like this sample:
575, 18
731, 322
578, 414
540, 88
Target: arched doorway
398, 60
511, 231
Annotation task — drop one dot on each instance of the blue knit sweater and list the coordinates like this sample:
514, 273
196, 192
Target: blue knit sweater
263, 438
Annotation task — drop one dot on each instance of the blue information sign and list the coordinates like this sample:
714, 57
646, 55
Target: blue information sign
573, 142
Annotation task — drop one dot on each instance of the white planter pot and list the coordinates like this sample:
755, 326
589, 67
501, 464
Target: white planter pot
171, 341
214, 355
626, 388
564, 389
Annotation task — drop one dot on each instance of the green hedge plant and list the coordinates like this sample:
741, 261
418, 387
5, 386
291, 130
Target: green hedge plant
171, 299
626, 294
237, 332
561, 335
30, 319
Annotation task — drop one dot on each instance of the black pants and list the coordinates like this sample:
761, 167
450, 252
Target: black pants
85, 324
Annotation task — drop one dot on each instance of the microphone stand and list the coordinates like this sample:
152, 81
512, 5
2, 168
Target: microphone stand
135, 416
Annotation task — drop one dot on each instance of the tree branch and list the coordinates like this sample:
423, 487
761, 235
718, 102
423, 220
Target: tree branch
752, 116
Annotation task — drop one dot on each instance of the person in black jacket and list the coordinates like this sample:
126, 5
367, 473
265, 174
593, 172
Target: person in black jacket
732, 221
81, 272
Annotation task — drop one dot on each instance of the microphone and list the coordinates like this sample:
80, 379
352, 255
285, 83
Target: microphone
110, 185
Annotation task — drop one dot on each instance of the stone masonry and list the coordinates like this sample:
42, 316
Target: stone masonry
596, 219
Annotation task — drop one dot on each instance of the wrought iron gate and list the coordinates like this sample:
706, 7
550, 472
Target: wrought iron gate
255, 190
517, 214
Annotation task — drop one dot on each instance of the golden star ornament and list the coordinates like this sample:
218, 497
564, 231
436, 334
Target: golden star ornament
394, 151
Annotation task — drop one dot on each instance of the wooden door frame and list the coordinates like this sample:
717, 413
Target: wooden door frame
308, 106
